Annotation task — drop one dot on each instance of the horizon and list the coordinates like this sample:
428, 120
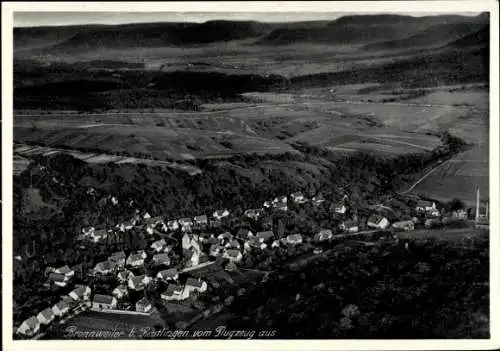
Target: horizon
60, 19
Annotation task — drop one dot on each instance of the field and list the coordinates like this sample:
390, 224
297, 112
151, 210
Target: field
459, 177
20, 164
265, 128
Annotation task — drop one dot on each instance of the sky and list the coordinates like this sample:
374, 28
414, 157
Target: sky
33, 19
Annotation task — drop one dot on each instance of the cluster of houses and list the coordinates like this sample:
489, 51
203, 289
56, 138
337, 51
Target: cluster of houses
197, 248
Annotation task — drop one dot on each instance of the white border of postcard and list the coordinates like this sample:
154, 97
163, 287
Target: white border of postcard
257, 6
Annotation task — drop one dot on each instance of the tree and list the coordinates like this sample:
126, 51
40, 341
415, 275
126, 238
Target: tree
456, 204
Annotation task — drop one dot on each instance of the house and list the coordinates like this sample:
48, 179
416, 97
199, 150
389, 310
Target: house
318, 200
173, 292
120, 292
340, 208
173, 225
201, 220
104, 302
29, 327
146, 216
58, 279
118, 258
143, 305
216, 250
254, 243
168, 274
377, 221
244, 233
461, 214
135, 260
190, 241
220, 214
253, 213
161, 259
62, 307
323, 235
233, 255
234, 244
267, 204
98, 235
194, 285
127, 225
404, 225
349, 226
138, 283
226, 236
105, 267
46, 316
280, 200
68, 272
159, 245
80, 293
185, 223
124, 275
265, 236
294, 239
88, 232
425, 206
298, 198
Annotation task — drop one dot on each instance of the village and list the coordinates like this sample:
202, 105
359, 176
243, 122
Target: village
178, 251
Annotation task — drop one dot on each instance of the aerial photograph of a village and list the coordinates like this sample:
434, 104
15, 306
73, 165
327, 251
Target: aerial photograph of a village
251, 175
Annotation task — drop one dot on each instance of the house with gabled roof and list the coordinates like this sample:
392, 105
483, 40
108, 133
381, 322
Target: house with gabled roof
81, 293
62, 307
159, 245
143, 305
104, 302
233, 255
294, 239
265, 236
46, 316
168, 274
244, 233
98, 235
425, 206
135, 260
323, 235
254, 213
58, 279
173, 225
216, 250
226, 236
124, 275
298, 197
201, 220
106, 267
254, 243
318, 199
161, 259
349, 226
29, 327
68, 272
118, 258
138, 283
377, 221
267, 204
220, 214
404, 225
186, 224
233, 244
120, 292
194, 285
173, 292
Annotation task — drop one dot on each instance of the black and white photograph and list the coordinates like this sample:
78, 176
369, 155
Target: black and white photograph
251, 175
